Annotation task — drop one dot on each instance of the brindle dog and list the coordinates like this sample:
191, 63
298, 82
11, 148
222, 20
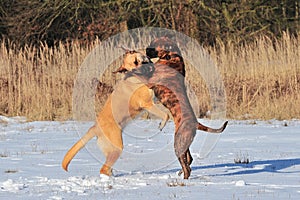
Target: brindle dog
168, 86
168, 53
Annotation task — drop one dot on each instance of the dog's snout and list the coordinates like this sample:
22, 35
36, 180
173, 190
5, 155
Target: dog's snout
136, 62
151, 52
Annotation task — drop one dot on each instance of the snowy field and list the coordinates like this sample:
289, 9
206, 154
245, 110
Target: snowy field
31, 155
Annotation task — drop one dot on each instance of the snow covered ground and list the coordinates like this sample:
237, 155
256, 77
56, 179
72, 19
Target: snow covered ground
31, 155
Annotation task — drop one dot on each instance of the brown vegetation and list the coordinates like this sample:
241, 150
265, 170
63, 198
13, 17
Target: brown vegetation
262, 79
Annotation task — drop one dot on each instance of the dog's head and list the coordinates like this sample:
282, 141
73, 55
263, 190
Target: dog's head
132, 59
163, 48
167, 52
137, 63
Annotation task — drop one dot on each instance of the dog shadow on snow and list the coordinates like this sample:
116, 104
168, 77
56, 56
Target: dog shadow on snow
254, 167
231, 169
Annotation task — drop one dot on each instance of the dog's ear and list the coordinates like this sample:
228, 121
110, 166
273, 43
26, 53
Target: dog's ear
127, 50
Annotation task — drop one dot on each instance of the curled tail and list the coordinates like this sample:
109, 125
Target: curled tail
76, 147
211, 130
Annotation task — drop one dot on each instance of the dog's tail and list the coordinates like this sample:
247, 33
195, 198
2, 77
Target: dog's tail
76, 147
201, 127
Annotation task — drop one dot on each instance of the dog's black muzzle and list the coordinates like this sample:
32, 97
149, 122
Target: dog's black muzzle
151, 52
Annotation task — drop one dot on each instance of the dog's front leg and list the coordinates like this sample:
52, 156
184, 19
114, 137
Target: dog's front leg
155, 110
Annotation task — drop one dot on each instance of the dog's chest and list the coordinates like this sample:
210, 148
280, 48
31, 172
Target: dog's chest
120, 101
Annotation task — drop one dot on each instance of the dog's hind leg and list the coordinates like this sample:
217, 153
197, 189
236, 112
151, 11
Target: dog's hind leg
189, 157
182, 141
183, 160
112, 147
111, 158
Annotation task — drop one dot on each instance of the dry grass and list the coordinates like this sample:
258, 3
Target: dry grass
262, 79
37, 83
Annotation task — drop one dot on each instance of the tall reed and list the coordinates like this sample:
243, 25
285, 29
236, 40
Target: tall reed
37, 82
262, 79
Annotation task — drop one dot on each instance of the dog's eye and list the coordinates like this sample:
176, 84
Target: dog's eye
167, 48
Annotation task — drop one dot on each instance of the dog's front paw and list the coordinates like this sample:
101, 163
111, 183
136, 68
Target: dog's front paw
162, 125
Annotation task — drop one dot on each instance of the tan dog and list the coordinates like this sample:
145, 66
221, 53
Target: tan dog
127, 100
168, 86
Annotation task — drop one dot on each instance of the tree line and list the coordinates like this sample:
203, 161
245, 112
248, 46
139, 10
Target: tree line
51, 21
